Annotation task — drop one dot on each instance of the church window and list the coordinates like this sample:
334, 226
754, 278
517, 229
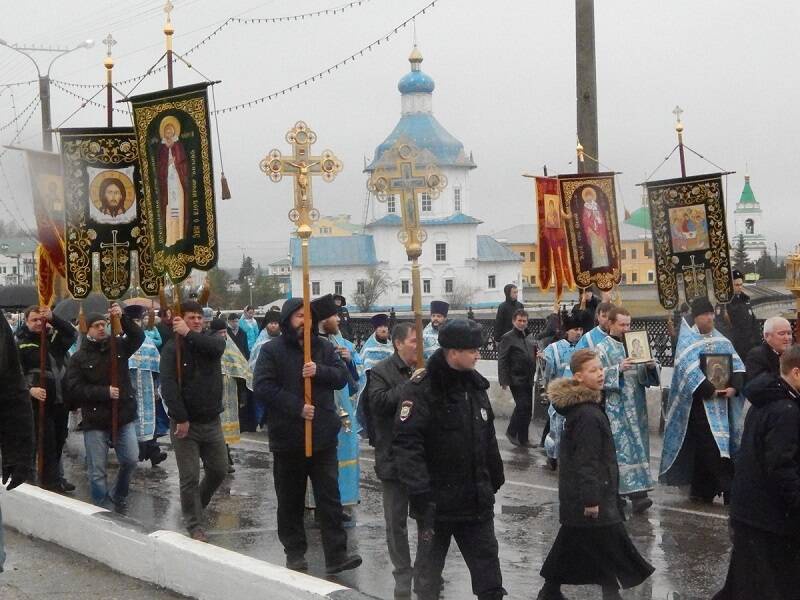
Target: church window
404, 288
360, 286
441, 252
323, 230
749, 226
391, 204
624, 276
522, 254
337, 288
634, 277
492, 284
426, 286
633, 253
427, 205
457, 199
315, 288
651, 276
533, 256
624, 253
448, 286
648, 250
533, 279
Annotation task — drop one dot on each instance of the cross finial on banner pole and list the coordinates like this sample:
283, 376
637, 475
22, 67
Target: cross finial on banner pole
677, 111
108, 43
168, 8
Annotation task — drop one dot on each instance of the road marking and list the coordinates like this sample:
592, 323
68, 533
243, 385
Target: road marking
547, 488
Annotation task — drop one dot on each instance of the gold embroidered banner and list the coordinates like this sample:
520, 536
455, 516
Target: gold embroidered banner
174, 138
103, 213
554, 267
690, 238
589, 202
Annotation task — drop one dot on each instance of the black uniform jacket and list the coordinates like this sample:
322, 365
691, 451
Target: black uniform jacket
198, 399
445, 446
385, 389
89, 377
762, 359
16, 416
587, 461
766, 486
58, 344
505, 313
278, 383
516, 362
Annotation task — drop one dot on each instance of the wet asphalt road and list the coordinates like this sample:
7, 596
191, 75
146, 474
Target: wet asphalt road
687, 543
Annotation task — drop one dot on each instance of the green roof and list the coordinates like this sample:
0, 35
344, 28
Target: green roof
747, 197
640, 218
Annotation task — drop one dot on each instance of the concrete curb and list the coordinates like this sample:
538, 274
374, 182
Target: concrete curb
165, 558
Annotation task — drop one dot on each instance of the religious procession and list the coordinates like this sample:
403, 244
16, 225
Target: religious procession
594, 402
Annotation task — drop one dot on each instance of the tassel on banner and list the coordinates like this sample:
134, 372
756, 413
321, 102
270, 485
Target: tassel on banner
226, 191
82, 328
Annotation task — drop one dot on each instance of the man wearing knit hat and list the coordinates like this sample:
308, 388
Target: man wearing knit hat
89, 388
430, 335
446, 454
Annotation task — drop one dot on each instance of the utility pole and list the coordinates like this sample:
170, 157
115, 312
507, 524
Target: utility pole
586, 85
44, 82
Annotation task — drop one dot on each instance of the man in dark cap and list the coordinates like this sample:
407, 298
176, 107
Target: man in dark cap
60, 337
278, 381
344, 316
194, 406
238, 335
446, 454
430, 335
703, 418
89, 388
271, 331
516, 365
377, 347
506, 310
736, 319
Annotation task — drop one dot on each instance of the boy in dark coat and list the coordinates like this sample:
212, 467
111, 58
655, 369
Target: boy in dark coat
765, 498
592, 546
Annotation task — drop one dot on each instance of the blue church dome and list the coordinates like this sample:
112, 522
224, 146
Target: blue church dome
416, 82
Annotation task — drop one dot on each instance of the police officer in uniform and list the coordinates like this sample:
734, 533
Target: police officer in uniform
446, 454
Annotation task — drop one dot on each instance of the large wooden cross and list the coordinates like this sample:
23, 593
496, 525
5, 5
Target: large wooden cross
303, 167
397, 174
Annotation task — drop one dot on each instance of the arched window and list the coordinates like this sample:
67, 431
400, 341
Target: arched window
748, 226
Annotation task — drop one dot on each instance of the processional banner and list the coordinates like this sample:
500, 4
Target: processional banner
690, 238
554, 267
47, 189
589, 203
103, 212
174, 138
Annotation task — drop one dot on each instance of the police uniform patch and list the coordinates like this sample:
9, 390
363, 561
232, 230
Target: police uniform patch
484, 414
405, 409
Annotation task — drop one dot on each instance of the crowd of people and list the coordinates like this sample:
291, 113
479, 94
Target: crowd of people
202, 380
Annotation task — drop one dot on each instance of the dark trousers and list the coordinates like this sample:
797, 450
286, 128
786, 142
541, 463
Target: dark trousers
205, 443
478, 546
523, 411
291, 470
54, 435
712, 474
395, 513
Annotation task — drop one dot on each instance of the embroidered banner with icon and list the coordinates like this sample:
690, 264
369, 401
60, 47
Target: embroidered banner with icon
174, 140
690, 238
103, 213
554, 267
589, 203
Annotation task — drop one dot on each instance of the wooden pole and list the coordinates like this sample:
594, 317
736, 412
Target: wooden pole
116, 329
416, 283
41, 407
307, 338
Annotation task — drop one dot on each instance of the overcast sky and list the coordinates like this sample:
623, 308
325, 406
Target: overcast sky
505, 86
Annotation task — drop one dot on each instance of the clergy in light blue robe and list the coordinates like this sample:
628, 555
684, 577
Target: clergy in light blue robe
591, 338
372, 352
626, 408
556, 359
430, 335
144, 369
725, 415
250, 327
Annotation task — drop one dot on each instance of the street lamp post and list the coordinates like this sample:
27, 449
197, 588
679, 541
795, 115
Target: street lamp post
44, 82
250, 282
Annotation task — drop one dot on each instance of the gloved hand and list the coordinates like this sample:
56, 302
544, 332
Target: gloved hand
17, 474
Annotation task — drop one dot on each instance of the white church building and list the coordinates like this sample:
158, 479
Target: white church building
748, 223
457, 264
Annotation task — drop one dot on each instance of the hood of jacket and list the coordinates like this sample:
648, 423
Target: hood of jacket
767, 388
288, 309
443, 376
507, 291
565, 393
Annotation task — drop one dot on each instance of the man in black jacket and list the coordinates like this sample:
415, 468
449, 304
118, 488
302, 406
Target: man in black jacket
386, 386
506, 310
446, 454
765, 358
89, 388
60, 337
194, 406
765, 504
516, 365
737, 321
238, 335
16, 420
278, 381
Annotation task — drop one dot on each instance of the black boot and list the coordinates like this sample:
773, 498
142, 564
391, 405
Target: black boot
611, 593
230, 460
551, 591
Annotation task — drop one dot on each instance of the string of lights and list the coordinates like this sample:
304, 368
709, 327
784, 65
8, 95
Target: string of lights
88, 101
16, 83
21, 129
352, 58
20, 115
229, 21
